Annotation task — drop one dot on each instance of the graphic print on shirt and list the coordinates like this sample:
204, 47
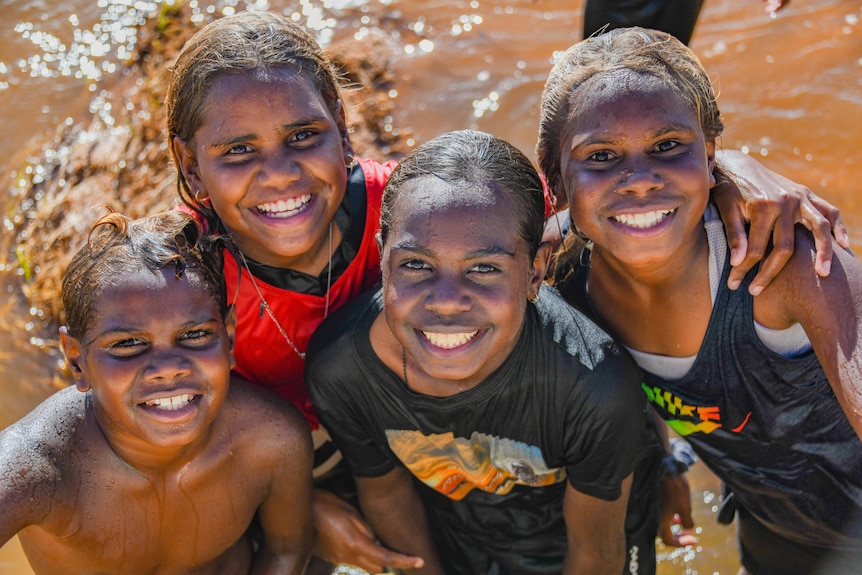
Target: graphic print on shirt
687, 419
455, 466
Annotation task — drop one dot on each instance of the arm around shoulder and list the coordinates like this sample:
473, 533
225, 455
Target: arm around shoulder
747, 191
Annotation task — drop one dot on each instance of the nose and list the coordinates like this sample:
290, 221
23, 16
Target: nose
448, 296
166, 367
278, 169
639, 178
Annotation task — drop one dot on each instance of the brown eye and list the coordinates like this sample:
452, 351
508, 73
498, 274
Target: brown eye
239, 149
484, 268
127, 347
197, 336
666, 146
415, 265
602, 156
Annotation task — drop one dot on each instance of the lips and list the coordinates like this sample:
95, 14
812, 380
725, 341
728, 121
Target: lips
172, 403
285, 208
449, 340
643, 220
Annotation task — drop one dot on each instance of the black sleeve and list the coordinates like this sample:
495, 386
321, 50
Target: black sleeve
341, 389
606, 427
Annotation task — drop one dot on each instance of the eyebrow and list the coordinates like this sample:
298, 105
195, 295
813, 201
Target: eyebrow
232, 141
474, 255
285, 128
673, 128
120, 330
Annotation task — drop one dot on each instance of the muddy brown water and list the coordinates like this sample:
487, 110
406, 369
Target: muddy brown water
790, 90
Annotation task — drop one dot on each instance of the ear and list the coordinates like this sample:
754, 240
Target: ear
540, 268
230, 327
710, 161
187, 164
74, 352
341, 122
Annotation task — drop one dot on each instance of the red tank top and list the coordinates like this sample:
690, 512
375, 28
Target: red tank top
262, 355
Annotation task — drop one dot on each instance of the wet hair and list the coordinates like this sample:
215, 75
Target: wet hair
471, 159
118, 246
256, 41
637, 50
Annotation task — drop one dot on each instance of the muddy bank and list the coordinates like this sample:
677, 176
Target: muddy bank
118, 155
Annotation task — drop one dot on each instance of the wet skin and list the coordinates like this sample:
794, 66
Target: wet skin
158, 379
456, 278
638, 172
271, 157
162, 465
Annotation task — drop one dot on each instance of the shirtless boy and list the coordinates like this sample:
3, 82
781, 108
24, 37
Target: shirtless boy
157, 463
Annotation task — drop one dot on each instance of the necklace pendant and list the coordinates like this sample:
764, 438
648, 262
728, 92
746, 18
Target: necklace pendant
262, 309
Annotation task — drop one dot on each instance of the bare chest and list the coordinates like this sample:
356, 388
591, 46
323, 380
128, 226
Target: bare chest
671, 325
126, 523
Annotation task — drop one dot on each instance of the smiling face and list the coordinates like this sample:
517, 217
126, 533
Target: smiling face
270, 155
636, 168
157, 360
456, 278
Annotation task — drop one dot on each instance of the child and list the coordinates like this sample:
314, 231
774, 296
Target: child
522, 423
258, 132
767, 389
155, 463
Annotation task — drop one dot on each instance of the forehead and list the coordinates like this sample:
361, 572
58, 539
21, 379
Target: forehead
144, 297
612, 97
434, 208
264, 88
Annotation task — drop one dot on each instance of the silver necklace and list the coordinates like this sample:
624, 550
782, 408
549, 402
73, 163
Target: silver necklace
264, 305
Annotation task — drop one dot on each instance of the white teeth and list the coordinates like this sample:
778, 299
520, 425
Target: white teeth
449, 340
647, 220
171, 403
285, 208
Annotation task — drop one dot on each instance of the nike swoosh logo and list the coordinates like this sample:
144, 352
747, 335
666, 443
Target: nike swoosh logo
741, 425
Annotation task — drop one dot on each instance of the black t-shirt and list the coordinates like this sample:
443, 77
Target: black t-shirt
565, 405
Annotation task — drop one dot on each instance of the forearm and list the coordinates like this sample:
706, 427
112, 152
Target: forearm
396, 514
585, 563
732, 165
268, 563
596, 533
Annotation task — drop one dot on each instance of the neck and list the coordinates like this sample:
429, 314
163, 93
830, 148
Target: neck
422, 383
395, 357
680, 267
313, 262
663, 307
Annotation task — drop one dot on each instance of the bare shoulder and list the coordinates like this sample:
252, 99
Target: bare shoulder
36, 454
798, 289
44, 436
268, 418
799, 271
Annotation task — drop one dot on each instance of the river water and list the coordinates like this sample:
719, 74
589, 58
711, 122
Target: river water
790, 89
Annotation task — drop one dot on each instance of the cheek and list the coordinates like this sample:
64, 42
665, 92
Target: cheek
509, 317
396, 301
579, 209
